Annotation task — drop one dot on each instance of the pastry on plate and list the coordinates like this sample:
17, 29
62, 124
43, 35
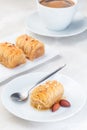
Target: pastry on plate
45, 95
10, 55
30, 46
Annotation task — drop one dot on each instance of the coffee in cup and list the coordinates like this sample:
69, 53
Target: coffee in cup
57, 3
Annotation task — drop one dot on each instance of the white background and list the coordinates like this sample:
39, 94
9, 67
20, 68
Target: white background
13, 14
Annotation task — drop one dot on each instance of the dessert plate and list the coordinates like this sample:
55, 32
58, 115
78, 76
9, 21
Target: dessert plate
35, 25
72, 91
6, 73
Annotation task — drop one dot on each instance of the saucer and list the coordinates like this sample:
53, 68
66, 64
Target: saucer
35, 25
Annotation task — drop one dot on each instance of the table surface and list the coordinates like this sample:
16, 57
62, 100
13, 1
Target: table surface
73, 51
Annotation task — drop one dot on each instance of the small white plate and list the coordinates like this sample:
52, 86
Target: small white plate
6, 73
72, 91
35, 25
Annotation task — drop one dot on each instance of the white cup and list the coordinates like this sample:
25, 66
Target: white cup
56, 18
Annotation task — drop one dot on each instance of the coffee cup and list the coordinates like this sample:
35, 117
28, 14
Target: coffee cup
56, 18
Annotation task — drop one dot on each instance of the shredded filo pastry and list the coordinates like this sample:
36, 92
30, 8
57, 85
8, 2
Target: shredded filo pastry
30, 46
10, 55
45, 95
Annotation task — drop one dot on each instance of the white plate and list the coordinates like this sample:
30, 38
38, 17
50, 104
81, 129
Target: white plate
5, 72
72, 91
35, 25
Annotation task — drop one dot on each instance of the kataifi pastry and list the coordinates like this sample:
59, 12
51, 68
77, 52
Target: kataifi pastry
45, 95
30, 46
10, 55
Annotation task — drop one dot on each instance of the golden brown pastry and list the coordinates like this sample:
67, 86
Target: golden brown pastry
10, 55
45, 95
30, 46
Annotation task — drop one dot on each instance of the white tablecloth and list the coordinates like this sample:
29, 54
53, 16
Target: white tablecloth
13, 14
